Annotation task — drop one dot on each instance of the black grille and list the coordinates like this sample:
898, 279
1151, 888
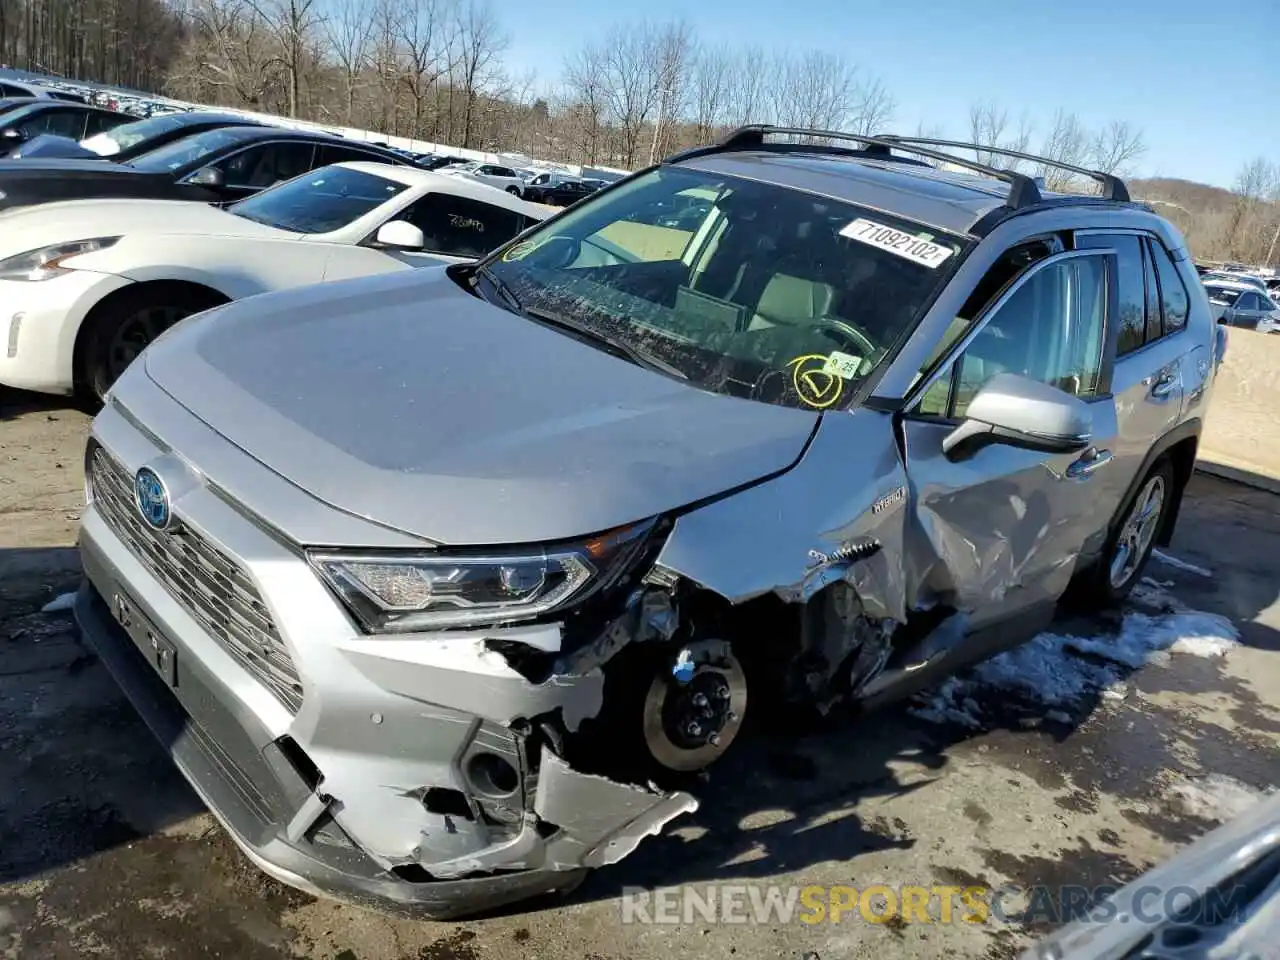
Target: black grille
211, 586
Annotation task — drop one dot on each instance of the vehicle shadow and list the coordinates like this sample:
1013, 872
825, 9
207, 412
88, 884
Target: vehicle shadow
15, 403
81, 772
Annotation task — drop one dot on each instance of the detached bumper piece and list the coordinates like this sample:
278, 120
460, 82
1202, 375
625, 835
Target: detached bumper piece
272, 800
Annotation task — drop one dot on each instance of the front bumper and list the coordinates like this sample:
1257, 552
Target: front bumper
39, 323
368, 789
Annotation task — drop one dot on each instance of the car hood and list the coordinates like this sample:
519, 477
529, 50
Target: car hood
28, 228
39, 168
51, 145
404, 400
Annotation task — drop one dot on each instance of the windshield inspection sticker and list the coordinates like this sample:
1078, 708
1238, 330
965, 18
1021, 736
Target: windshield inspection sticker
905, 245
843, 365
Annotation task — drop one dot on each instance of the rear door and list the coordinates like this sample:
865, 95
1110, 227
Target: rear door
1001, 530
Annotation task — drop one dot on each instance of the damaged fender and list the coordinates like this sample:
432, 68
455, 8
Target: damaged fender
838, 516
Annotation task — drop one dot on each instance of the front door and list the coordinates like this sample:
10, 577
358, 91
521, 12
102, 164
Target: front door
999, 532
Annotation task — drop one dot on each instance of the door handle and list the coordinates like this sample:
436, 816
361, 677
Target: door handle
1091, 460
1163, 385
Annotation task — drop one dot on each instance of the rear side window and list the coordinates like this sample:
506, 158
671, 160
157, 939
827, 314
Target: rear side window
462, 227
1131, 332
1174, 299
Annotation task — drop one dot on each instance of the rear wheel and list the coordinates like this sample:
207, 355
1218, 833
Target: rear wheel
514, 191
1129, 547
122, 328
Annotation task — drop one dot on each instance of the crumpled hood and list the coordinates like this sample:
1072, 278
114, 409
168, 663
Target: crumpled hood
403, 399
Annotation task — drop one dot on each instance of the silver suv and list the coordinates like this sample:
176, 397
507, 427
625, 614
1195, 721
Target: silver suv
439, 586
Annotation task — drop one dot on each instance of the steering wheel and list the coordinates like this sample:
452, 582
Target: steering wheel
845, 331
862, 344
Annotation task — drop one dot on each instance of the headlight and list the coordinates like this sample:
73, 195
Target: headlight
397, 593
46, 262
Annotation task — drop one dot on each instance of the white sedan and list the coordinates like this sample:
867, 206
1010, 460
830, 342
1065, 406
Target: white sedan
85, 285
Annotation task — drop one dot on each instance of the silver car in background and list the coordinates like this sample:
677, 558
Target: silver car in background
440, 586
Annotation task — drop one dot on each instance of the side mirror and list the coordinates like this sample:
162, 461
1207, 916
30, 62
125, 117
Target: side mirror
13, 136
208, 177
400, 235
1015, 410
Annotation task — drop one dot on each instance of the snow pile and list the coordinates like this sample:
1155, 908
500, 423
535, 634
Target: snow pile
1172, 561
1059, 670
59, 603
1216, 797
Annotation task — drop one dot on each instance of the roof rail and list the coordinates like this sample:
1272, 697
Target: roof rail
1113, 188
1023, 191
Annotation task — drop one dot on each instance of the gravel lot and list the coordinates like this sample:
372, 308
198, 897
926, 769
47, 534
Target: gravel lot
1070, 761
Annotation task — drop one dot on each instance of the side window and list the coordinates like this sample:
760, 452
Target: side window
267, 164
1003, 272
101, 122
1051, 328
12, 91
1131, 320
1174, 298
333, 154
62, 123
1153, 295
462, 227
1247, 301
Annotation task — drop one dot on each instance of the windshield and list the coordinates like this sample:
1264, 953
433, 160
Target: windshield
129, 135
321, 201
187, 151
1222, 295
748, 289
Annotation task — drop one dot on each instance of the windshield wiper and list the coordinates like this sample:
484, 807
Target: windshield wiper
503, 288
619, 348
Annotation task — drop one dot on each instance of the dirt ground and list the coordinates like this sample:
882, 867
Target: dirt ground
1082, 759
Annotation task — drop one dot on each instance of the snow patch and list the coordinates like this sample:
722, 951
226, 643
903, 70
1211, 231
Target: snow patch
1217, 797
59, 603
1060, 670
1172, 561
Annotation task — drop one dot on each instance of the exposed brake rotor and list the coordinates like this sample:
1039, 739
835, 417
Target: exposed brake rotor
694, 709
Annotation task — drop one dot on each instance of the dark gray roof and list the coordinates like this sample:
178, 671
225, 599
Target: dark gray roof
940, 198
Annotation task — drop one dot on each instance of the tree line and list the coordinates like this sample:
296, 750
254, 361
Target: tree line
437, 70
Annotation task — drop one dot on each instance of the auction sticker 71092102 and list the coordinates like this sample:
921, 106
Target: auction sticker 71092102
898, 242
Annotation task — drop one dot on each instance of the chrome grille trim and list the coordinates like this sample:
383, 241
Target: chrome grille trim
211, 587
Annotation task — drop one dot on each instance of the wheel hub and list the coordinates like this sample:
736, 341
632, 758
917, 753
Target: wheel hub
694, 708
1138, 532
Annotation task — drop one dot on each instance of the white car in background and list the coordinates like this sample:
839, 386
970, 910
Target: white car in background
85, 285
496, 175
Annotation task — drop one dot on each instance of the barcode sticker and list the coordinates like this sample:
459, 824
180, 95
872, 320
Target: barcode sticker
905, 245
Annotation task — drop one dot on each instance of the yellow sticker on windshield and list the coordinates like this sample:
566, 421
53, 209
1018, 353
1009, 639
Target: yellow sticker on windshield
521, 250
817, 385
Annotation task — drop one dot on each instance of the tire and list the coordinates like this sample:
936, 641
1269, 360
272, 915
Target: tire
1119, 569
120, 329
514, 191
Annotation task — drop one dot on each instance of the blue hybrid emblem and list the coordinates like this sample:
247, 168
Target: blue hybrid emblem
151, 498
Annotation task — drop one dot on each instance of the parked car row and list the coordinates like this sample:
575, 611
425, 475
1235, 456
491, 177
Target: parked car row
88, 282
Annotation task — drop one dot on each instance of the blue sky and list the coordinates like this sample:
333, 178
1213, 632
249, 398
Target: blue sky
1171, 67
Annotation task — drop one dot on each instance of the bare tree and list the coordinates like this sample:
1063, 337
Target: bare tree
291, 24
627, 72
1067, 142
1116, 146
671, 48
585, 102
349, 32
423, 51
230, 53
480, 43
711, 81
875, 108
748, 82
